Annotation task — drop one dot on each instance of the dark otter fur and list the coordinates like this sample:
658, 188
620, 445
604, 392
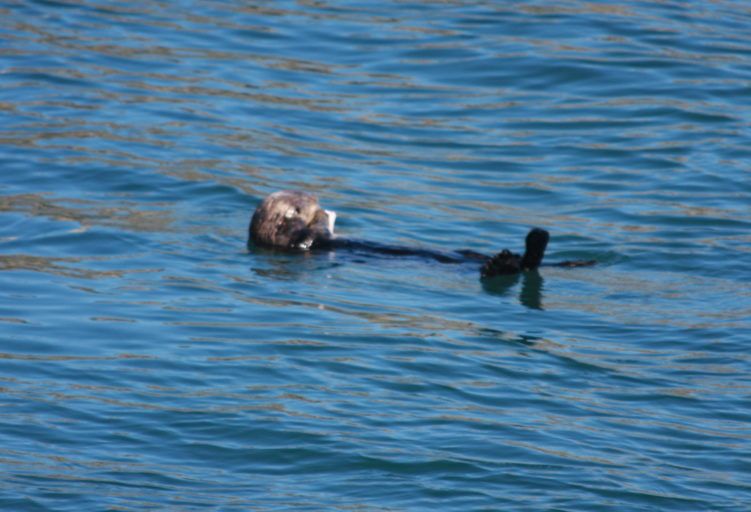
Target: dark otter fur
506, 262
294, 220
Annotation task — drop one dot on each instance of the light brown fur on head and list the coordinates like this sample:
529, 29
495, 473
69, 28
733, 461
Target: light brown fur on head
290, 219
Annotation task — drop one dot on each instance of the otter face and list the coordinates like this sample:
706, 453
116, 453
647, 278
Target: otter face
291, 220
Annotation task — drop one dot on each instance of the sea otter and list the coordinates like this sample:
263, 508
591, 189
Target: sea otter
292, 220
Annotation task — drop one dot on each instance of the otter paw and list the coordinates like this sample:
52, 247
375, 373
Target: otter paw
503, 263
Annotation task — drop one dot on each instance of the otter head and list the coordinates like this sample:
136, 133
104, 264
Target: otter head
291, 220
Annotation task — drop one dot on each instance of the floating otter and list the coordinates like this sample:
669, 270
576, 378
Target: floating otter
294, 221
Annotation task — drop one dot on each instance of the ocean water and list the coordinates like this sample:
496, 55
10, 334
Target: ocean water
149, 360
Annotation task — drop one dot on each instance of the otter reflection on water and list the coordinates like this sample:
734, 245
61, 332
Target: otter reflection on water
294, 221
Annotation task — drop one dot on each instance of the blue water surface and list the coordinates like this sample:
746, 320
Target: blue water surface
149, 360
